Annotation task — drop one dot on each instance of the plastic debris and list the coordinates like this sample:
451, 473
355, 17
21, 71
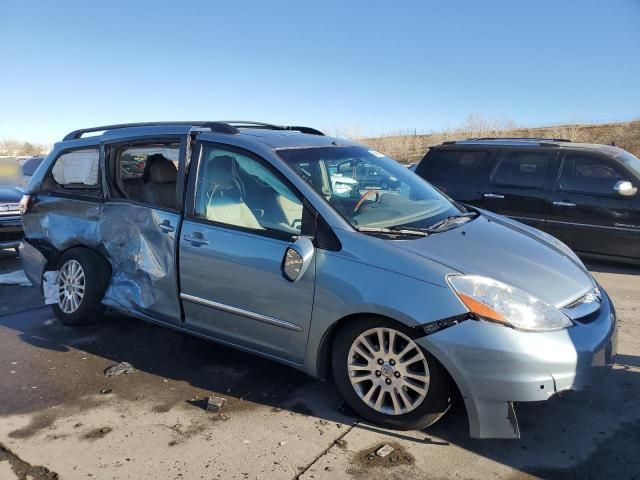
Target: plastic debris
215, 404
384, 451
106, 391
119, 369
50, 287
15, 278
282, 443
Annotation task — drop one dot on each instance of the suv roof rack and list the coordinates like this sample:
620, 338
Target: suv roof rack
271, 126
533, 139
231, 127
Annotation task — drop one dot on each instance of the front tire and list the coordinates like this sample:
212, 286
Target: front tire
386, 377
83, 278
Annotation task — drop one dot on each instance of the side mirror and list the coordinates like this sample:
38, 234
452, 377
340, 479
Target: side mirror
297, 258
625, 189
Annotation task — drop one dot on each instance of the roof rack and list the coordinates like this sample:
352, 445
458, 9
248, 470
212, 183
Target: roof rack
271, 126
533, 139
231, 127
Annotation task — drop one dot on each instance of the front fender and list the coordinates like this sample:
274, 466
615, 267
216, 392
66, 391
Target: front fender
346, 287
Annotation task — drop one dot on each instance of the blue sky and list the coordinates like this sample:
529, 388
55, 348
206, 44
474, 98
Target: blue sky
374, 66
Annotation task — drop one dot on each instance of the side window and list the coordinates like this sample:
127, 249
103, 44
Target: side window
146, 173
457, 166
522, 169
587, 174
238, 190
77, 172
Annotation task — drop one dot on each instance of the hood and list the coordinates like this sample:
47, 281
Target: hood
10, 194
501, 250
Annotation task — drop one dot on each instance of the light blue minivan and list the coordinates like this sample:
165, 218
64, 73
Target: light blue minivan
232, 231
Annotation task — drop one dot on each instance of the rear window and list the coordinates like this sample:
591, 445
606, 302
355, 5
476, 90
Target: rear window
522, 169
457, 166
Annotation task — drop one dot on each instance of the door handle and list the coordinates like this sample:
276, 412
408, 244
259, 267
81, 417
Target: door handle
196, 239
166, 227
564, 204
492, 195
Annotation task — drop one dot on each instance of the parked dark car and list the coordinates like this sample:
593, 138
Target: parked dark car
583, 194
10, 224
11, 188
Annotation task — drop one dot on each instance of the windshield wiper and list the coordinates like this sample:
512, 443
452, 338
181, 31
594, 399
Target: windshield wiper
449, 219
394, 231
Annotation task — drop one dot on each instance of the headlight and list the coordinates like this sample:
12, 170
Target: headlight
498, 302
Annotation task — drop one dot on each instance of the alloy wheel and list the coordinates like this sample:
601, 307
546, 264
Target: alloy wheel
71, 281
388, 371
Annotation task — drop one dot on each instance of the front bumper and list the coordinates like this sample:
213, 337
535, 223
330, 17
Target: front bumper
494, 366
11, 232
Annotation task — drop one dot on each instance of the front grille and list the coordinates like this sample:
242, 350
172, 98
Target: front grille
10, 236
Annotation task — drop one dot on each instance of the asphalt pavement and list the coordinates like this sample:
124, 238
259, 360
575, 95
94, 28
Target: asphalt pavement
61, 417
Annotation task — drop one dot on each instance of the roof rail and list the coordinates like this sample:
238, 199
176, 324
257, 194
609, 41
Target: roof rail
533, 139
214, 126
231, 127
271, 126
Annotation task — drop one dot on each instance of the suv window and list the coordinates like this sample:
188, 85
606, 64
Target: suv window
522, 169
457, 166
147, 174
77, 171
238, 190
588, 174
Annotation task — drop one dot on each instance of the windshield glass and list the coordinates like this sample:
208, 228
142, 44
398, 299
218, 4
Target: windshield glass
631, 161
369, 189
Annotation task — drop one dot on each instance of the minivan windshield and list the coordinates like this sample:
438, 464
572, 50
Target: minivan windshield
369, 189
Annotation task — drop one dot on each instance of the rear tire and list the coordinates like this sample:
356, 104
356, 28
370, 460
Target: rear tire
415, 393
83, 278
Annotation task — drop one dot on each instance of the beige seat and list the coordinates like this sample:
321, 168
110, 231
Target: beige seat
160, 189
224, 202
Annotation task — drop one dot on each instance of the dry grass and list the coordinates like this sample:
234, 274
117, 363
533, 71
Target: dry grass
411, 148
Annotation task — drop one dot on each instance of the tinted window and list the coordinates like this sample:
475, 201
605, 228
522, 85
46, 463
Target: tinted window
583, 173
522, 169
237, 190
460, 166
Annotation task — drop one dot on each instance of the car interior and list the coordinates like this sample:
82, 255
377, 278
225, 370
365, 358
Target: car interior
147, 174
236, 190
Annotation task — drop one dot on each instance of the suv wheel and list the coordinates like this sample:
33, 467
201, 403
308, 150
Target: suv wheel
386, 377
83, 277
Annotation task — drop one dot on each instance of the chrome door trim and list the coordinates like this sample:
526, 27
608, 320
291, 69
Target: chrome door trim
603, 227
239, 311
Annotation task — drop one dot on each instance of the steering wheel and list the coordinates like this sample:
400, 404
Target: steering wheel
362, 199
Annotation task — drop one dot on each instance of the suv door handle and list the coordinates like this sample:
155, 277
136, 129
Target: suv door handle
564, 204
196, 239
492, 195
166, 227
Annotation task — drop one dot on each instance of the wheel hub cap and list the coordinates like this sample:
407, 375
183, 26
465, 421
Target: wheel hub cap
388, 371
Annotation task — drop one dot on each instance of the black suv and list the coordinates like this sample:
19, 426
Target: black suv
583, 194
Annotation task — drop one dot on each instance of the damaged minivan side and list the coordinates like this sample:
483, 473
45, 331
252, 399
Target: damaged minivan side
231, 231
